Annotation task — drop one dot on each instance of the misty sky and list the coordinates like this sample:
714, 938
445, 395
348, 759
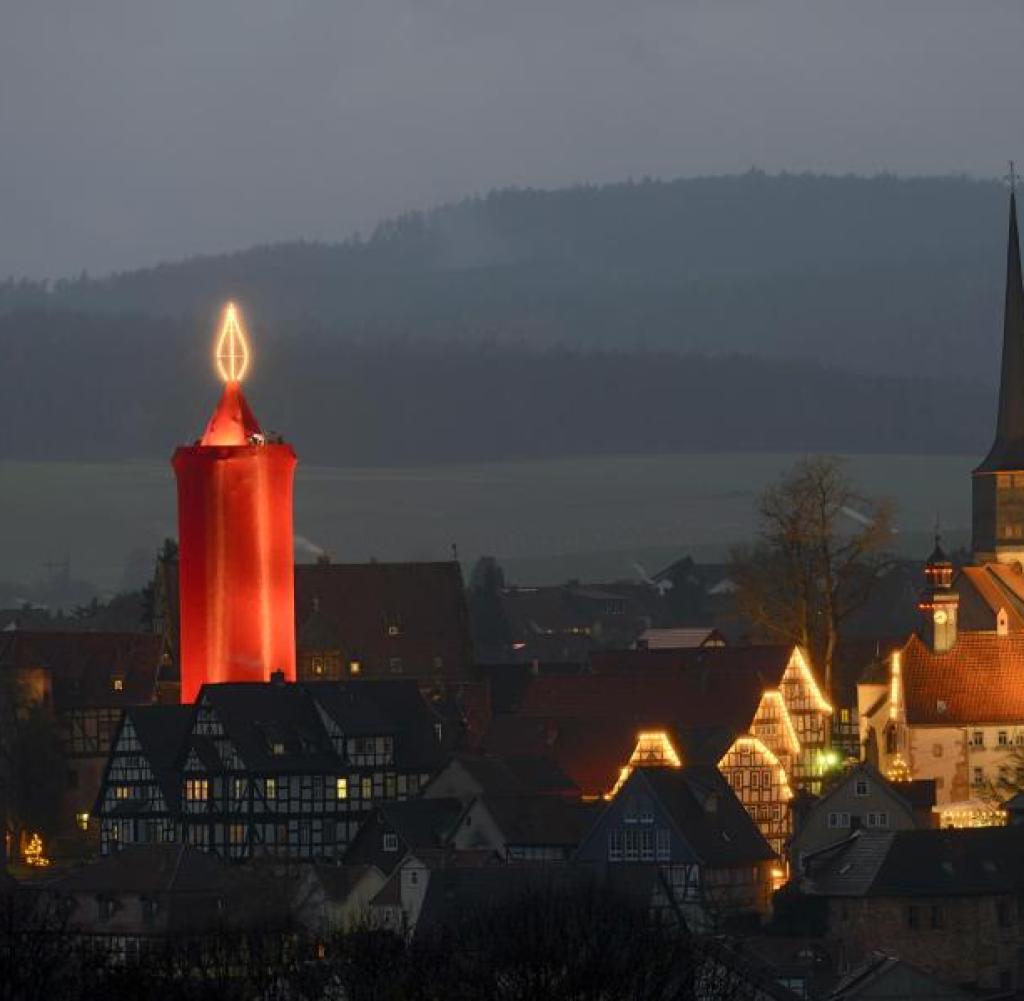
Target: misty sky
136, 131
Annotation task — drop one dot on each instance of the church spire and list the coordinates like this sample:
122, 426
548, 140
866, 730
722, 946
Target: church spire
1007, 450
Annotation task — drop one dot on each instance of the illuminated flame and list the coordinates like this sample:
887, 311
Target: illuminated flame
232, 352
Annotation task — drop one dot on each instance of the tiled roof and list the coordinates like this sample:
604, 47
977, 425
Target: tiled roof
984, 590
718, 686
541, 820
980, 680
922, 863
149, 870
422, 823
706, 814
591, 752
83, 665
355, 607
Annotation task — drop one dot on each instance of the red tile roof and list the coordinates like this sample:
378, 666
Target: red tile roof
980, 680
83, 665
375, 612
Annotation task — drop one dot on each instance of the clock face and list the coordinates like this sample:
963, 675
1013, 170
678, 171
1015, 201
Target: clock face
940, 617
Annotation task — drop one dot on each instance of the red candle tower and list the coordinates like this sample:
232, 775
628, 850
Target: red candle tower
236, 572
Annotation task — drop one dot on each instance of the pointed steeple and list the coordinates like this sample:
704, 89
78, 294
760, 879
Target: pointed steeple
1007, 450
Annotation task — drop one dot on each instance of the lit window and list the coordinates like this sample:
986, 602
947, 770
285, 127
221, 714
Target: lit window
122, 792
277, 748
318, 666
236, 835
117, 682
271, 788
366, 788
354, 667
390, 841
341, 788
844, 715
82, 819
197, 790
239, 788
393, 630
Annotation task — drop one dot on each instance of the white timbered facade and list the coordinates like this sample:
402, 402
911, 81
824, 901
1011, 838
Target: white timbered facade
276, 769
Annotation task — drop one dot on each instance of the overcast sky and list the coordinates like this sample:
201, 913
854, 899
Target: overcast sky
137, 131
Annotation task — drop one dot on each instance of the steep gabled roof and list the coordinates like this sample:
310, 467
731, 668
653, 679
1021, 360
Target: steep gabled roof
422, 823
258, 716
163, 733
979, 680
148, 870
706, 814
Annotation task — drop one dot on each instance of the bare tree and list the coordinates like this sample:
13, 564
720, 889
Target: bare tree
821, 549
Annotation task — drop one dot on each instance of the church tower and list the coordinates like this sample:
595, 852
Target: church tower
998, 483
939, 603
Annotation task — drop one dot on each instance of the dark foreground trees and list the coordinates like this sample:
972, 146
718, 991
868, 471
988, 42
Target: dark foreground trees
580, 943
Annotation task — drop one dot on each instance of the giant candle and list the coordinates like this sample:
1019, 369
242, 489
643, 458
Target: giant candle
236, 575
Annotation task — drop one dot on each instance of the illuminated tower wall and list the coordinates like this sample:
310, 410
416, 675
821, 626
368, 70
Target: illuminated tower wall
236, 564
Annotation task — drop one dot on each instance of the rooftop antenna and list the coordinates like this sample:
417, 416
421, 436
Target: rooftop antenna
1011, 177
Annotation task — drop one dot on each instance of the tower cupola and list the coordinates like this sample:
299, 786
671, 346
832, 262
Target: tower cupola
939, 603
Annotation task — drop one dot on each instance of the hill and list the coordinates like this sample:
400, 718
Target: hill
87, 386
877, 275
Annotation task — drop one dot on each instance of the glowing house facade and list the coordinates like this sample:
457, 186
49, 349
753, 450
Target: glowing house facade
236, 577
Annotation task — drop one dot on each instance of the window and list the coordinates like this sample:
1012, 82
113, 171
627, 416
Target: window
122, 792
838, 820
318, 666
393, 630
844, 715
437, 732
236, 835
860, 787
238, 788
82, 819
615, 846
150, 907
1003, 738
977, 739
277, 747
936, 750
117, 682
646, 845
271, 789
366, 787
395, 665
105, 907
341, 788
662, 845
880, 819
978, 776
913, 917
390, 841
197, 790
354, 667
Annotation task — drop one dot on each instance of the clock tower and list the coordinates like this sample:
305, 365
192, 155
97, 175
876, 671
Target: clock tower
998, 483
939, 602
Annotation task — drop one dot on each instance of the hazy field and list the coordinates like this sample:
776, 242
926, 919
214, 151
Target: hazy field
547, 520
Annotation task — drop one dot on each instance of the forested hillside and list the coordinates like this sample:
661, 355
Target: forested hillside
781, 312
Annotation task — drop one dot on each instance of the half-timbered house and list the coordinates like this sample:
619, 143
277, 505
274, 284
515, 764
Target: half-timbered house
275, 769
